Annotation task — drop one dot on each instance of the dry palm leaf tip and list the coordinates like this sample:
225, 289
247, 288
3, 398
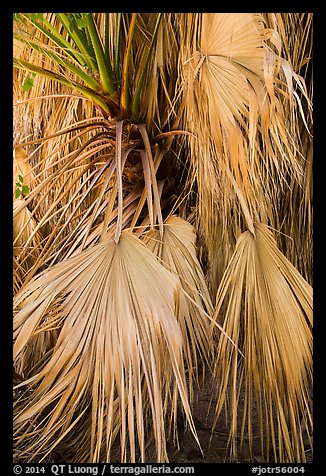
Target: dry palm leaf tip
162, 218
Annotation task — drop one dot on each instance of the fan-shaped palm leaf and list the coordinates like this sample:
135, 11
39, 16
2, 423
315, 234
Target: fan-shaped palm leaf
117, 364
267, 310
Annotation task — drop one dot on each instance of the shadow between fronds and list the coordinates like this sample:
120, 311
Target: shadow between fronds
116, 368
266, 308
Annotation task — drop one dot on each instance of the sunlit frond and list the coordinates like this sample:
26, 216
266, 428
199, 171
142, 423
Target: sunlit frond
117, 364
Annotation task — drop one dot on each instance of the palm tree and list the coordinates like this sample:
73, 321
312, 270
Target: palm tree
162, 227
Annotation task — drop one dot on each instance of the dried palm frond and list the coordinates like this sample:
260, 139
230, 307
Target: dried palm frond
267, 310
176, 250
240, 104
117, 363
